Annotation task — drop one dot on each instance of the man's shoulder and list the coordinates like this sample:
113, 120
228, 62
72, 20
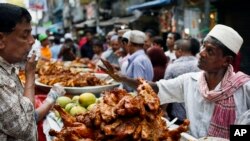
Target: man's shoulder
191, 75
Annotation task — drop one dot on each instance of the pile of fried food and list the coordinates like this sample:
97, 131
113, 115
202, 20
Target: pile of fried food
56, 72
120, 117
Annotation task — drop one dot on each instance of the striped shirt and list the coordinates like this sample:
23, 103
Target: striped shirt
17, 120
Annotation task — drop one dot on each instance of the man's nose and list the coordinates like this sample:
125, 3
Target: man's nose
202, 52
31, 40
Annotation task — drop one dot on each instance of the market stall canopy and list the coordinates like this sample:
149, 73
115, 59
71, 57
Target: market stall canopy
125, 20
150, 4
87, 23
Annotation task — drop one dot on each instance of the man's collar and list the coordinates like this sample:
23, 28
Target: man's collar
197, 75
133, 56
9, 68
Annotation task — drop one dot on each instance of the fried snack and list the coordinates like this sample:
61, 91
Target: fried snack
72, 80
121, 116
56, 72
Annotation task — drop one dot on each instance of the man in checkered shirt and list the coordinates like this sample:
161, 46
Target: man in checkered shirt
17, 114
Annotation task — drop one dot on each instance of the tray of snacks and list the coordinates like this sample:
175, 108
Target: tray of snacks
78, 83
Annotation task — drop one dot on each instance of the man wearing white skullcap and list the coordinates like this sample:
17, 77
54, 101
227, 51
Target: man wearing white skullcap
139, 64
123, 61
228, 36
214, 98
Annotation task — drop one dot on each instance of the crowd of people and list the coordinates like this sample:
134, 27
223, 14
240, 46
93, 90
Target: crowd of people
193, 79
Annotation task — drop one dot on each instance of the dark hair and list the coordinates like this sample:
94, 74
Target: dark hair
226, 51
151, 32
158, 40
68, 40
194, 46
125, 40
97, 42
177, 35
57, 40
10, 15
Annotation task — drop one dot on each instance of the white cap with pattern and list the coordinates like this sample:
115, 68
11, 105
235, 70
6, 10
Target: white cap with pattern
228, 36
126, 35
137, 37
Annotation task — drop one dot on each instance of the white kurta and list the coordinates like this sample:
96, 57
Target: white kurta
199, 111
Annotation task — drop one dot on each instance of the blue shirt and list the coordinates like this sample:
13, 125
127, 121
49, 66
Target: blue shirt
55, 49
139, 65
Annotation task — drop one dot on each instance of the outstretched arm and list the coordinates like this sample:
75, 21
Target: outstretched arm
133, 83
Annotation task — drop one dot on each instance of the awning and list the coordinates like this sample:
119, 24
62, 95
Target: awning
88, 23
150, 4
125, 20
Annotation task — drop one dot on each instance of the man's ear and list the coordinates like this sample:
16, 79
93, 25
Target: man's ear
2, 40
228, 60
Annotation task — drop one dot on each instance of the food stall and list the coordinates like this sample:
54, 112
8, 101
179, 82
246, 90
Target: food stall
114, 114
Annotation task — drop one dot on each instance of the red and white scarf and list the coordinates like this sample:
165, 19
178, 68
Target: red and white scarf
224, 111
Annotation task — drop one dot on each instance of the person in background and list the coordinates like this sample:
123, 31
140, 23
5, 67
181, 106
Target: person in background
139, 65
98, 50
122, 52
159, 61
171, 38
107, 45
149, 37
186, 61
87, 49
46, 53
124, 45
17, 113
67, 51
113, 57
55, 49
158, 42
215, 97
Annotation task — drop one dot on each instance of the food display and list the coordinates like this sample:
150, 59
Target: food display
119, 116
69, 79
73, 76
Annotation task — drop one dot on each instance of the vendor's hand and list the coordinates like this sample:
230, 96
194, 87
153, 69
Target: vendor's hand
56, 91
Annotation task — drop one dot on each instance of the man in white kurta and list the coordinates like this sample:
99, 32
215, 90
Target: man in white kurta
214, 98
199, 111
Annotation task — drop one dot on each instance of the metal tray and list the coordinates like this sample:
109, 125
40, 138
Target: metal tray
79, 90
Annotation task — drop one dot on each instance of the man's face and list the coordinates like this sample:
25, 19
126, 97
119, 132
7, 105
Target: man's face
170, 41
178, 52
148, 43
89, 36
17, 44
115, 45
211, 57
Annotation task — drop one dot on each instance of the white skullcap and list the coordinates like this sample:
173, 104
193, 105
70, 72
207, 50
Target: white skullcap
126, 35
111, 33
68, 36
137, 37
122, 31
62, 40
114, 38
228, 36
